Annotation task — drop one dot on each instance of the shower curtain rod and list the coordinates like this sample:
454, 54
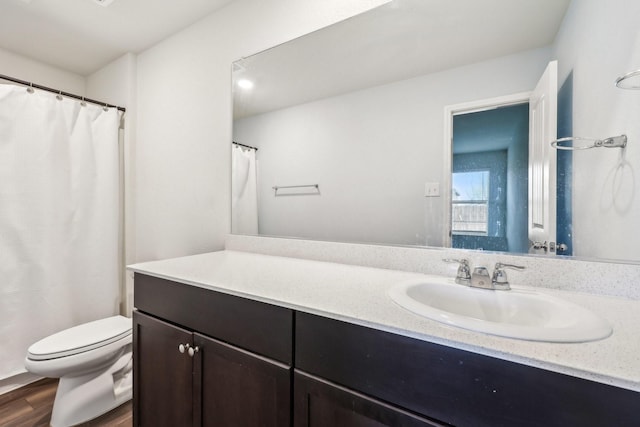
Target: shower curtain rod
247, 146
59, 92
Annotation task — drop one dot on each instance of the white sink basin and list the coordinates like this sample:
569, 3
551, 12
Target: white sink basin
516, 313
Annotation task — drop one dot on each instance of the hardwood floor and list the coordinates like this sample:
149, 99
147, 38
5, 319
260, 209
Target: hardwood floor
30, 406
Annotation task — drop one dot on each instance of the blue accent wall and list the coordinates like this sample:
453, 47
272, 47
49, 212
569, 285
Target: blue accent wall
477, 137
564, 232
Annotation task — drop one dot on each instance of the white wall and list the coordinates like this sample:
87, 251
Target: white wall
115, 84
372, 151
27, 69
184, 122
606, 204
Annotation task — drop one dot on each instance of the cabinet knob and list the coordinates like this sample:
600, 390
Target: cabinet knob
193, 350
183, 347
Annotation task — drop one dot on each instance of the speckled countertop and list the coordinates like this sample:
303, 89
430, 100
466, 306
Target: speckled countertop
359, 295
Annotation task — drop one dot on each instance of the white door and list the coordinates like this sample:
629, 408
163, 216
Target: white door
543, 110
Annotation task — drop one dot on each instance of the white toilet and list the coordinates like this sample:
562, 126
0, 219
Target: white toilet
94, 364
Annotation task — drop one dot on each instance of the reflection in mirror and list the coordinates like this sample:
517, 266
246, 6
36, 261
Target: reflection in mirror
358, 108
490, 156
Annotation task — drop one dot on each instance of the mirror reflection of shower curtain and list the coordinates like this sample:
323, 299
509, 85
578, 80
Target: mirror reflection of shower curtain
59, 218
244, 202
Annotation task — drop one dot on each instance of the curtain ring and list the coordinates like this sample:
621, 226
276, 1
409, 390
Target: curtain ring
106, 107
59, 96
30, 88
84, 104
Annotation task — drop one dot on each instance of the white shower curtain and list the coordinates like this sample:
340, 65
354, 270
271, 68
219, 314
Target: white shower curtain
244, 203
59, 218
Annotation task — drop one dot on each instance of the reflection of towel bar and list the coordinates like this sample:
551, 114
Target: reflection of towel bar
282, 187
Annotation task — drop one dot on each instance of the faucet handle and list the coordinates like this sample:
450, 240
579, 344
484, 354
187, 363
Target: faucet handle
463, 276
499, 279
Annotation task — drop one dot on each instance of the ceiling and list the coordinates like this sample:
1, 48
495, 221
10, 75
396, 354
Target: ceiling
396, 41
82, 36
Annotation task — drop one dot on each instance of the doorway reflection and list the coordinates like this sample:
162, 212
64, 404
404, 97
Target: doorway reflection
489, 177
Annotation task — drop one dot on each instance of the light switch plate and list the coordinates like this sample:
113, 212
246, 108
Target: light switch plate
432, 189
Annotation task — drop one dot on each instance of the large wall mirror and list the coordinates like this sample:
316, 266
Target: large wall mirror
415, 124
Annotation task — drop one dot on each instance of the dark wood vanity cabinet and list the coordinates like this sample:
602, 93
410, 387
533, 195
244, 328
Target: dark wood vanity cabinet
162, 375
203, 358
319, 403
453, 386
238, 388
244, 373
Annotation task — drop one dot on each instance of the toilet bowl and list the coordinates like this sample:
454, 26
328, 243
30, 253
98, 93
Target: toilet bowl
93, 362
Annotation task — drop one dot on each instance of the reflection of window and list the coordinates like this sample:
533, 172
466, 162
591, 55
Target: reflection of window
470, 203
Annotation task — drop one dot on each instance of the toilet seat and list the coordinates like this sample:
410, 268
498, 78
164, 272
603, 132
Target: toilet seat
81, 339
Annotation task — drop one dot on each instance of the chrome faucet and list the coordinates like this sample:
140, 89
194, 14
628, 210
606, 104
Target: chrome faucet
463, 275
480, 277
499, 279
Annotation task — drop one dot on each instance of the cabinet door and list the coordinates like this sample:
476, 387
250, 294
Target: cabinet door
318, 403
238, 388
162, 375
